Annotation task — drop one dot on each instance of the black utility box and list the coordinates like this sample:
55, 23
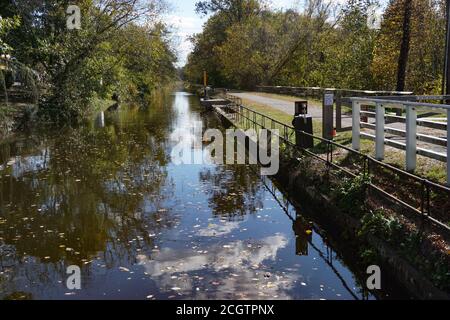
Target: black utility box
303, 123
301, 108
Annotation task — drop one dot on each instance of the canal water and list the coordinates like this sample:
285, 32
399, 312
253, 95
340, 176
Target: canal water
107, 197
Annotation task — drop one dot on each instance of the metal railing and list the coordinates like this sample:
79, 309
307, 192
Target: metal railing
425, 199
411, 134
339, 96
319, 91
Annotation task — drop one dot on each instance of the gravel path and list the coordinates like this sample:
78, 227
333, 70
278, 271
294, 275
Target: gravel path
289, 107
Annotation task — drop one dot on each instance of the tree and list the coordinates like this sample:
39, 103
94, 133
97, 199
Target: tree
75, 63
324, 45
204, 55
236, 11
350, 51
404, 48
6, 25
426, 46
311, 23
257, 49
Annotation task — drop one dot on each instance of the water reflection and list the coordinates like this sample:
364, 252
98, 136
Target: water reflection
233, 192
233, 270
303, 236
107, 197
100, 120
86, 191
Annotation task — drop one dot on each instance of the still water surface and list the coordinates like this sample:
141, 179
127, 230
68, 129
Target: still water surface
107, 197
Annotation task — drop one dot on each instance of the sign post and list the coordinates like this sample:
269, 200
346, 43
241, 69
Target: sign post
205, 83
328, 115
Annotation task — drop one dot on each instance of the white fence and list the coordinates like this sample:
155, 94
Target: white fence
411, 134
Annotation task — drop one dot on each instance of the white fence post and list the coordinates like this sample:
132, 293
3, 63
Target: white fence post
411, 138
379, 134
448, 147
356, 125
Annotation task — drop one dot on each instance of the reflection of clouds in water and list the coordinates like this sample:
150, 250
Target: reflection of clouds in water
183, 136
215, 230
27, 164
246, 278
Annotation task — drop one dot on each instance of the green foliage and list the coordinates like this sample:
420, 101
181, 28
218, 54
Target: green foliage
350, 195
246, 43
234, 10
204, 54
409, 243
377, 224
426, 57
122, 47
6, 25
368, 256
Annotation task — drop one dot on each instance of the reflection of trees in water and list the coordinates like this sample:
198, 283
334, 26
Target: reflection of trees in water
92, 196
234, 193
19, 146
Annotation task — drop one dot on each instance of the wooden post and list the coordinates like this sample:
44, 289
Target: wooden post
448, 147
379, 134
356, 125
205, 84
411, 139
328, 115
339, 110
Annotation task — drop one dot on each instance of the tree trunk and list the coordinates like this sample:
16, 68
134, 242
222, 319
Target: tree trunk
404, 49
446, 77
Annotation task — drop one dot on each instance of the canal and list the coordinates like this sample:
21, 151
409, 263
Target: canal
106, 197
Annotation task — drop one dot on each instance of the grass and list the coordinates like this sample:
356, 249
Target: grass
289, 98
269, 111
